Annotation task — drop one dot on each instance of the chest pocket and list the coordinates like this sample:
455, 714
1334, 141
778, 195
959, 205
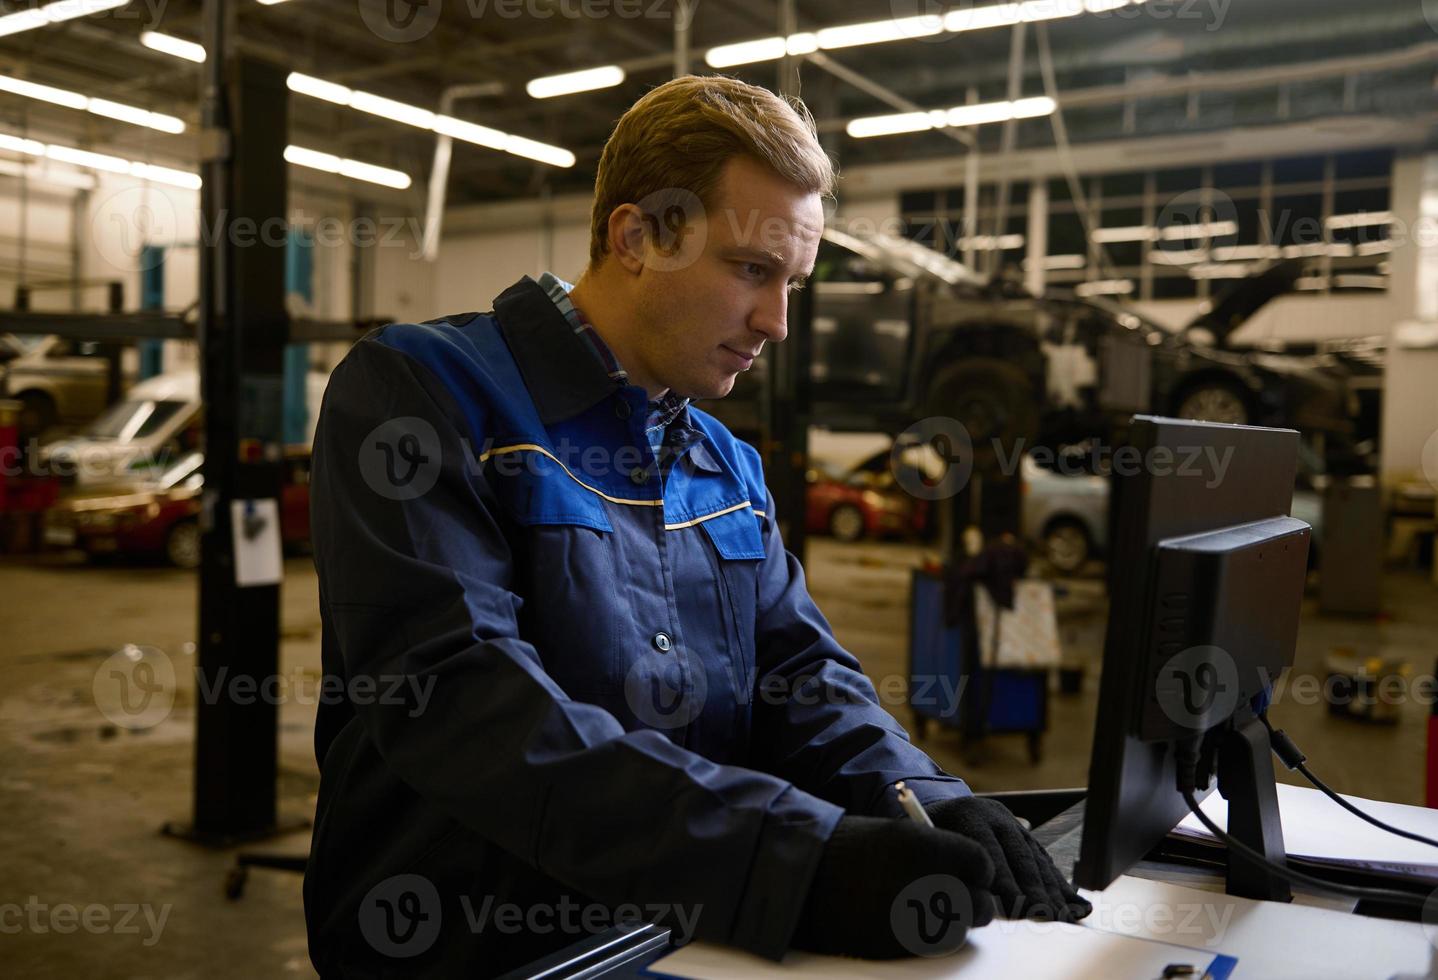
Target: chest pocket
539, 490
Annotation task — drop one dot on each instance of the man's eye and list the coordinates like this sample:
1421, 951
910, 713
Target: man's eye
753, 269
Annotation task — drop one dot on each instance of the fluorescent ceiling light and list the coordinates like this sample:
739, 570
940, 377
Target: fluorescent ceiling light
271, 3
903, 122
173, 46
100, 107
318, 88
1127, 233
1350, 281
409, 115
87, 158
1247, 252
543, 152
137, 116
1361, 219
1199, 229
54, 13
964, 115
100, 161
399, 112
45, 93
329, 163
1064, 261
575, 81
879, 31
471, 132
1220, 270
746, 52
992, 243
1375, 248
1105, 287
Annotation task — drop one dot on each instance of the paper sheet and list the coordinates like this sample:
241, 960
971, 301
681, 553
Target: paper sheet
1316, 827
1002, 949
1273, 941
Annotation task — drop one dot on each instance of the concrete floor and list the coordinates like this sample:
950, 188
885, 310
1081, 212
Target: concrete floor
83, 798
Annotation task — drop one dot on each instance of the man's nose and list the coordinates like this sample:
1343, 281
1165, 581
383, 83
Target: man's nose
771, 318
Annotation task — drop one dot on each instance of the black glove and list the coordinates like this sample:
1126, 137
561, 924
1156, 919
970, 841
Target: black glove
887, 888
1026, 882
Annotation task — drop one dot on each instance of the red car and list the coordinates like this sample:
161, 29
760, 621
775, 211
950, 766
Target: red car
162, 518
865, 502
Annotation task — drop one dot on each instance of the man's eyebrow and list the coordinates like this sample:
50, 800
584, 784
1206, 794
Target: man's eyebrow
749, 251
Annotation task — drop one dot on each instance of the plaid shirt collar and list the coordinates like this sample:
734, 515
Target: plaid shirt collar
663, 410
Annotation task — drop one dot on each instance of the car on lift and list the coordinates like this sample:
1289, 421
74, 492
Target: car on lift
160, 517
901, 332
57, 381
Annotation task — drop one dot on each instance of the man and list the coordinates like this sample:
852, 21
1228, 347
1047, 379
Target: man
581, 673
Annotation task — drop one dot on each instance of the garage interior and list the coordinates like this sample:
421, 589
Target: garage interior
1050, 217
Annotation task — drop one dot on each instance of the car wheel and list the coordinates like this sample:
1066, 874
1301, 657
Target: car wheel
992, 399
1215, 401
1066, 546
37, 413
182, 545
846, 523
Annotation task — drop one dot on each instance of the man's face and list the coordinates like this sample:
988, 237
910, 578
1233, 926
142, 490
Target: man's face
708, 307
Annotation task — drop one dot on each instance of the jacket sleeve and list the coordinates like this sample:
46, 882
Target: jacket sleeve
415, 570
818, 720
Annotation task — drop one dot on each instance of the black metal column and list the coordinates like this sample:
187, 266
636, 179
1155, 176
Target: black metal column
785, 422
242, 332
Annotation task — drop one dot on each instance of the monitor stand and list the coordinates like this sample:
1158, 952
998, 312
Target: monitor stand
1245, 780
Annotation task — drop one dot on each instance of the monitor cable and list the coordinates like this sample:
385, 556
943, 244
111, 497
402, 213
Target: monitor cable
1291, 756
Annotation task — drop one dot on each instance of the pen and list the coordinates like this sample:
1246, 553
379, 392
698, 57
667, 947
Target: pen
911, 805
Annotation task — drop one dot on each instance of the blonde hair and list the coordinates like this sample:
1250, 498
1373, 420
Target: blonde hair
679, 136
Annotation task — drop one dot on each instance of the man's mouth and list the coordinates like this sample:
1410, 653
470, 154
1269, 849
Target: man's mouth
744, 358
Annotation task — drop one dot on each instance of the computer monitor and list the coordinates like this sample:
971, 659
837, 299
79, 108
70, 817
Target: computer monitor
1206, 586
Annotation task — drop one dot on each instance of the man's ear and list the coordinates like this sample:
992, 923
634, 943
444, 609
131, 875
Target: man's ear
628, 238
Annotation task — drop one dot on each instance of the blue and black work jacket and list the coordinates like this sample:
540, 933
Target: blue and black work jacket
568, 671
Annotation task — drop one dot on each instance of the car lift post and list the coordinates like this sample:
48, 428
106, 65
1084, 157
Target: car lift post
242, 333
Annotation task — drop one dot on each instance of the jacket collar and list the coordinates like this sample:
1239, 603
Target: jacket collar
559, 367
